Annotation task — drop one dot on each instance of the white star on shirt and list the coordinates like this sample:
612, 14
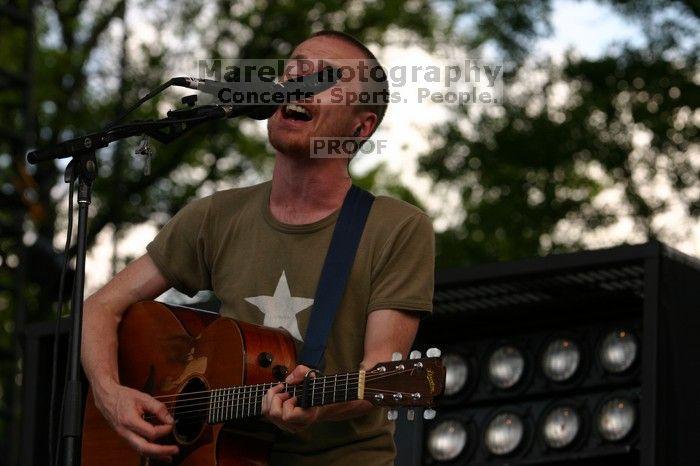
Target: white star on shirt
281, 309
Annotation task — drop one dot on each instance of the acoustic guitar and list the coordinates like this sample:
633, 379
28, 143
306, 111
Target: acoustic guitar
212, 371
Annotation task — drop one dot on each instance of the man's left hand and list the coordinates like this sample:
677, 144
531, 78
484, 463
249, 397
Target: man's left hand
281, 408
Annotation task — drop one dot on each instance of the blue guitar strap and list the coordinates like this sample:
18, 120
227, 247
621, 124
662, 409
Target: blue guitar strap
334, 275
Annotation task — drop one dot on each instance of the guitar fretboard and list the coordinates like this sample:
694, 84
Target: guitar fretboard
231, 403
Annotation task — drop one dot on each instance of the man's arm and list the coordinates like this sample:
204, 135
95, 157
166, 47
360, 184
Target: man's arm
387, 331
123, 407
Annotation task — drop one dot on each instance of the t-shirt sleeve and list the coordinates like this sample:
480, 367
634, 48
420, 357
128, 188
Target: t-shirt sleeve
179, 250
404, 274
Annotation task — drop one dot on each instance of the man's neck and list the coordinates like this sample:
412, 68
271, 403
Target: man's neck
305, 191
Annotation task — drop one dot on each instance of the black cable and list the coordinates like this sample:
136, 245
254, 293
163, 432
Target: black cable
55, 441
57, 333
143, 99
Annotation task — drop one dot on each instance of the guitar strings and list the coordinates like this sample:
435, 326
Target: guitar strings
345, 375
186, 401
243, 401
257, 400
369, 376
199, 414
227, 405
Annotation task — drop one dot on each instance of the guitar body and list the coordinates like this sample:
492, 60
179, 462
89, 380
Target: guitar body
168, 350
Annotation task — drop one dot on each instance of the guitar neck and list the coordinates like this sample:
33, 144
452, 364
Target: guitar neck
226, 404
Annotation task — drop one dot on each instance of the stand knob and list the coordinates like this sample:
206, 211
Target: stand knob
265, 359
280, 372
189, 100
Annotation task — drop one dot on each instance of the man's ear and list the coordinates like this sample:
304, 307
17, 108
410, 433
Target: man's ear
367, 122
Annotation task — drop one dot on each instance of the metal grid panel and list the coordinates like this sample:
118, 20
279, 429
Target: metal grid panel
537, 289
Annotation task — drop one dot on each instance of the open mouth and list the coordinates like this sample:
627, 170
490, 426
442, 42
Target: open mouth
295, 112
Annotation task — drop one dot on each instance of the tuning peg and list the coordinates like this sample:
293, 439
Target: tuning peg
433, 353
392, 415
415, 354
429, 414
410, 415
396, 356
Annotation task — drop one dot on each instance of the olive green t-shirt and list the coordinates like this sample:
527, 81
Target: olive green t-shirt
266, 272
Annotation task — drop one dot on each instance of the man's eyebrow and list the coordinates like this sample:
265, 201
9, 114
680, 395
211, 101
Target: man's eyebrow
301, 56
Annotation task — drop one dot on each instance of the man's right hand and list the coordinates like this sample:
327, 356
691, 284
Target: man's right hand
126, 409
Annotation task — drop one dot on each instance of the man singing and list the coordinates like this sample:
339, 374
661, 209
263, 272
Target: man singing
261, 250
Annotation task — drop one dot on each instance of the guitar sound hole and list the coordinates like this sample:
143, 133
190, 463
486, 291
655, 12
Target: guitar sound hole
190, 411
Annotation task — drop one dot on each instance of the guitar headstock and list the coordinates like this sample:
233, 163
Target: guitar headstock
408, 382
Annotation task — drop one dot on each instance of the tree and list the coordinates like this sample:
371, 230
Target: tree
91, 61
531, 173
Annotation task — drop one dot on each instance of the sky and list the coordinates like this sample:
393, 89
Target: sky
586, 27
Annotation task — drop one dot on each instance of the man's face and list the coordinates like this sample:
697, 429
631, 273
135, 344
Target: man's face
290, 131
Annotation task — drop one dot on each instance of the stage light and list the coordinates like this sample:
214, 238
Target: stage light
560, 359
616, 419
592, 351
561, 426
447, 440
506, 366
457, 373
618, 351
504, 434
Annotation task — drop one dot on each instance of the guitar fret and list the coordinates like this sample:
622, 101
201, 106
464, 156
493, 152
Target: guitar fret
213, 407
347, 379
224, 405
231, 402
235, 414
245, 401
255, 400
265, 389
215, 394
226, 402
222, 402
323, 390
241, 401
335, 381
313, 392
218, 405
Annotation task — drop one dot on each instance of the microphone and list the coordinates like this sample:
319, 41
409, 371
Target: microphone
260, 99
266, 96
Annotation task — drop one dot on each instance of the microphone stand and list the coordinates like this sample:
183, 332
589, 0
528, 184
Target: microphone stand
83, 169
